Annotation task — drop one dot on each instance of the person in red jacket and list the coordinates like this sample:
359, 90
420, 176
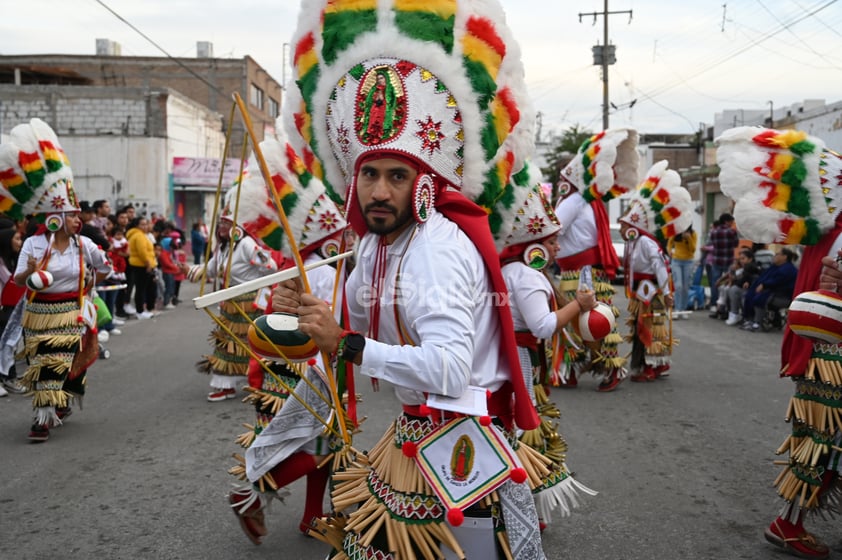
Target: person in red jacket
169, 268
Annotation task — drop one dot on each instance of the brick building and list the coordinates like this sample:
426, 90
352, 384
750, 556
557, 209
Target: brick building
124, 121
208, 81
122, 141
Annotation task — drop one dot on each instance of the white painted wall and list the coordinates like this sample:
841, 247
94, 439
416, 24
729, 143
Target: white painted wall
119, 167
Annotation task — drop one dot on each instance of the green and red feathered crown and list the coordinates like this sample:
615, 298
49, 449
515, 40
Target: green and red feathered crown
533, 216
606, 165
785, 184
440, 81
312, 216
659, 204
35, 173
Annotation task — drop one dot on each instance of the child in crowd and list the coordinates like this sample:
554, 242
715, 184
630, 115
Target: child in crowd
118, 254
168, 271
180, 259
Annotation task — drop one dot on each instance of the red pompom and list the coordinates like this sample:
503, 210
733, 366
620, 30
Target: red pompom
94, 330
488, 394
455, 517
485, 421
311, 362
409, 449
424, 410
80, 319
518, 475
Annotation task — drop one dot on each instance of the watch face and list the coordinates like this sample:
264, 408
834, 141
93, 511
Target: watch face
354, 343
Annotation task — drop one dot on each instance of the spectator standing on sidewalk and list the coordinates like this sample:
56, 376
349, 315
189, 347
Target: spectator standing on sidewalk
102, 209
682, 250
198, 242
724, 241
142, 265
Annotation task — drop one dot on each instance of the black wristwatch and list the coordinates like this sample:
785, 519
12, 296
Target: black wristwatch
354, 344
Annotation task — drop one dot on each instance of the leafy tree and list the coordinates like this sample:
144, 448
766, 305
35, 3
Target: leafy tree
563, 149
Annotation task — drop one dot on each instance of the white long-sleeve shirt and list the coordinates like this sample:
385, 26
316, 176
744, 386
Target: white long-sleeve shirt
578, 225
647, 258
445, 303
63, 265
321, 279
249, 262
529, 292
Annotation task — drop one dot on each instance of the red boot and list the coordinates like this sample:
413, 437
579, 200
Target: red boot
795, 539
293, 468
247, 505
316, 484
648, 374
662, 371
610, 383
571, 382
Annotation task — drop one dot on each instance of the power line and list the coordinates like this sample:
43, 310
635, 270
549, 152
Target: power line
739, 51
805, 43
160, 48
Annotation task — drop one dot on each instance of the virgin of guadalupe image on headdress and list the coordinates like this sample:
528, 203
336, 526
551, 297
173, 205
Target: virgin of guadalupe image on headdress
380, 106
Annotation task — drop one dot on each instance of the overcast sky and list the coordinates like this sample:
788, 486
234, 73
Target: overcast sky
680, 61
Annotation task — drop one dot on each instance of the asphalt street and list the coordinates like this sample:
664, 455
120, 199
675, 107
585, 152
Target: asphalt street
683, 466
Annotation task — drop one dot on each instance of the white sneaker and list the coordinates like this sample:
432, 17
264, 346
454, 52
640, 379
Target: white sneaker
14, 386
102, 336
3, 392
117, 321
129, 309
115, 332
145, 315
169, 306
733, 319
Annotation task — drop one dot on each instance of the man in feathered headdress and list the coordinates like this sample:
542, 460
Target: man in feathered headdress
426, 298
659, 209
787, 189
237, 258
317, 226
604, 167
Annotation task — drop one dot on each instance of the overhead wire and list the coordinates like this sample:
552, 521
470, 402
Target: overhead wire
663, 89
792, 32
162, 49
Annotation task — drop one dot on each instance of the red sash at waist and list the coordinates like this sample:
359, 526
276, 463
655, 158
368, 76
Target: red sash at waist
639, 277
499, 405
527, 340
416, 410
58, 296
579, 260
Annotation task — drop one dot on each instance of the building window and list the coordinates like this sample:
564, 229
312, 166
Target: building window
257, 97
273, 108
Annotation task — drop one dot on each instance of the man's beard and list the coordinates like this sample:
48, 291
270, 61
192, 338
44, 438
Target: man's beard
378, 226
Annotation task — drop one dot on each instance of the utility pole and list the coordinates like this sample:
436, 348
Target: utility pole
605, 54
